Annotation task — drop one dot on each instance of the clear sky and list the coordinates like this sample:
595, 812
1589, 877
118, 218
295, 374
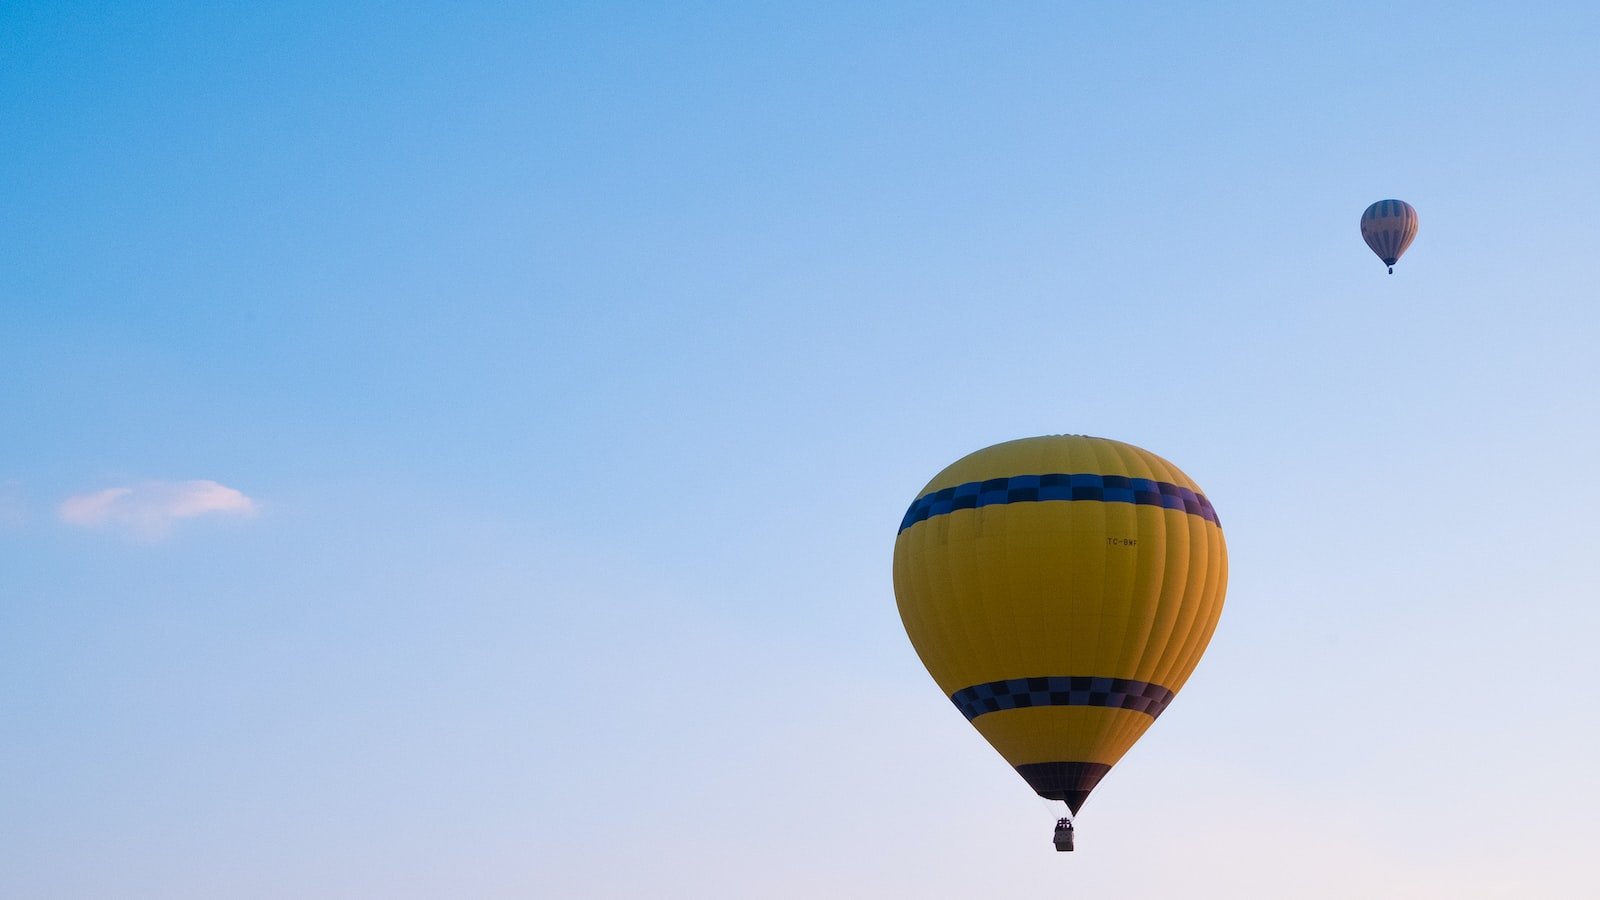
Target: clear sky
456, 451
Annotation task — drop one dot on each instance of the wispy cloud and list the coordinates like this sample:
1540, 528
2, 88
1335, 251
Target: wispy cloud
147, 510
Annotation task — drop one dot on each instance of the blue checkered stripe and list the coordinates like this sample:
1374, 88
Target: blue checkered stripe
1062, 690
1033, 488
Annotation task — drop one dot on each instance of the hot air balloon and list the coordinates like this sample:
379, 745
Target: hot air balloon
1060, 590
1389, 227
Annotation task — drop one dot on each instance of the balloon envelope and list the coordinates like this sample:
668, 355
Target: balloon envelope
1060, 590
1389, 227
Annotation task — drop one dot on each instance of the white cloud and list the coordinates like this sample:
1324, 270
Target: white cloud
148, 509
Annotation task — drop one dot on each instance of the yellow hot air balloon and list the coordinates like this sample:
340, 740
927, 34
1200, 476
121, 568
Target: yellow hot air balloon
1060, 590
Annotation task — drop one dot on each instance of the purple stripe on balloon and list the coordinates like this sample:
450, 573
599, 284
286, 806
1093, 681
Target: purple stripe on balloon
1069, 487
1062, 690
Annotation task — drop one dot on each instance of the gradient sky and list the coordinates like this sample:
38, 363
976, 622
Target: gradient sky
456, 451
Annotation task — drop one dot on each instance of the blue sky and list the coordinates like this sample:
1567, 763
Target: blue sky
507, 412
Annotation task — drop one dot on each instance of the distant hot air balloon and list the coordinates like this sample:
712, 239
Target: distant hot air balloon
1060, 590
1389, 227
